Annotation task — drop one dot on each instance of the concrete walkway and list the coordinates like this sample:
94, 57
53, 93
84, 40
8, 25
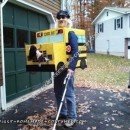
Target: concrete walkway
97, 110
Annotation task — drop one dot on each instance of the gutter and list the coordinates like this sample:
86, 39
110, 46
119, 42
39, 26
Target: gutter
62, 4
2, 88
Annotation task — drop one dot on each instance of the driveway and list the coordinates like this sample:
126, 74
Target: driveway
97, 110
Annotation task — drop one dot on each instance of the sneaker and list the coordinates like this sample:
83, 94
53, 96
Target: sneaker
69, 123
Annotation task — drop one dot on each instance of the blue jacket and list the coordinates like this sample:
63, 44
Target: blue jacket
73, 41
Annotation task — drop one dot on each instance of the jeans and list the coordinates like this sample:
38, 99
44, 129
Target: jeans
69, 104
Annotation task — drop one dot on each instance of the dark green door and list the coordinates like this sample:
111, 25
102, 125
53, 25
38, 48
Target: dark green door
20, 26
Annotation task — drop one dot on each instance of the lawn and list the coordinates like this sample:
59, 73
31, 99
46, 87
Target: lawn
104, 71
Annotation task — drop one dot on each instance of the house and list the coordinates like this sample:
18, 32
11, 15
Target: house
112, 31
20, 19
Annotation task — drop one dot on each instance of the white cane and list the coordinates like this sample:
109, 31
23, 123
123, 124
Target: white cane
62, 100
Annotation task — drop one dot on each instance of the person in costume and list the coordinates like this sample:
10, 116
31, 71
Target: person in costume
68, 110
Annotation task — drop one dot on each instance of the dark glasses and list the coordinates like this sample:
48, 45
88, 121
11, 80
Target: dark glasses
61, 16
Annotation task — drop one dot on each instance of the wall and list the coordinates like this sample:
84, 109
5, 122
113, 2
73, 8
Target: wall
52, 6
1, 81
111, 41
111, 15
128, 26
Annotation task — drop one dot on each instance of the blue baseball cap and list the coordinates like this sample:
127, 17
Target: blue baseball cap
62, 14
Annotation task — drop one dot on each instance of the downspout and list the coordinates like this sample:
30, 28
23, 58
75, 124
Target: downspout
3, 88
62, 4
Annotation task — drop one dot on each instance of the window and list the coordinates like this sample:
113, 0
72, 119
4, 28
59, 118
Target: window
118, 23
22, 38
100, 27
8, 37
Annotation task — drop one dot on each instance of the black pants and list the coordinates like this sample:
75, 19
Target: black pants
59, 87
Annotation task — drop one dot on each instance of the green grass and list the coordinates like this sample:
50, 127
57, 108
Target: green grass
104, 70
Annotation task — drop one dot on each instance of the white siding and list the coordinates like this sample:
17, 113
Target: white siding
129, 20
111, 15
111, 40
129, 49
128, 26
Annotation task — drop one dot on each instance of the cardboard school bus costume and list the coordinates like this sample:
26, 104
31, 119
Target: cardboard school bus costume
54, 45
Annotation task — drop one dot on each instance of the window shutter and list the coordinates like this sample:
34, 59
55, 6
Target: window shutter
102, 27
114, 24
121, 22
98, 28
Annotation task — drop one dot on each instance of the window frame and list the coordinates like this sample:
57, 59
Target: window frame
118, 23
100, 27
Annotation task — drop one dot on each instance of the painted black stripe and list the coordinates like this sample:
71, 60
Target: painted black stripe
81, 58
82, 51
81, 44
43, 68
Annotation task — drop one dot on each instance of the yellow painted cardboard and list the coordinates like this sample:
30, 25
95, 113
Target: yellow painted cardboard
54, 42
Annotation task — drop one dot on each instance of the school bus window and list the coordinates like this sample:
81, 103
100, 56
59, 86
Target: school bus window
60, 31
39, 34
56, 38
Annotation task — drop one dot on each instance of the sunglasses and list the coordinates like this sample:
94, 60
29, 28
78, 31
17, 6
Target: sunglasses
61, 16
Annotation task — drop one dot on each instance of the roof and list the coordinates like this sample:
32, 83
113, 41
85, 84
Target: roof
115, 9
119, 9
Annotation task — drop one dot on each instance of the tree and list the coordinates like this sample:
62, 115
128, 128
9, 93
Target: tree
87, 10
83, 12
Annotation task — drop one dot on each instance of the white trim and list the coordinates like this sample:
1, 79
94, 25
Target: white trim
32, 94
98, 16
3, 3
106, 8
3, 88
122, 12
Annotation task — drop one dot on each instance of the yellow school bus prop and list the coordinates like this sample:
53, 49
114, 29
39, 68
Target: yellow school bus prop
54, 45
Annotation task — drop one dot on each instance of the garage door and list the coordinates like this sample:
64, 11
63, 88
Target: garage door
20, 26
